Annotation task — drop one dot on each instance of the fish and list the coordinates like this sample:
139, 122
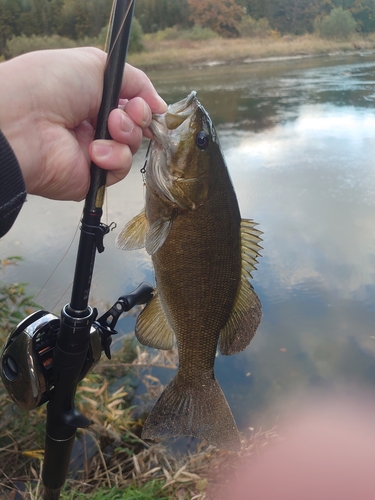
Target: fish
203, 255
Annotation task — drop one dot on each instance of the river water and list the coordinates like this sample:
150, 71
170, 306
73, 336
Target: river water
299, 139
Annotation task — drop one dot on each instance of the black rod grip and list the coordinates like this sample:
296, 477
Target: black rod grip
56, 465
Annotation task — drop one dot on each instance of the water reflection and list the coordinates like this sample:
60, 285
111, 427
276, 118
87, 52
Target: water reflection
320, 207
299, 141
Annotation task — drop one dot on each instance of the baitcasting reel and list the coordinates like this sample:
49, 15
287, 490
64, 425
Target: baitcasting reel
27, 356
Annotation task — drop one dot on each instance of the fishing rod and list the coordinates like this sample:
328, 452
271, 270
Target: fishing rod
46, 356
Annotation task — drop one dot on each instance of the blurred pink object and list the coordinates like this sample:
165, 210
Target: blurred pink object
327, 453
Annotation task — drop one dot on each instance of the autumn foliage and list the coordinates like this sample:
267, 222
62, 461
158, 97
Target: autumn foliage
222, 16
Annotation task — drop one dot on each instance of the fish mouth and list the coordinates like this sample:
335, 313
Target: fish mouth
176, 117
183, 105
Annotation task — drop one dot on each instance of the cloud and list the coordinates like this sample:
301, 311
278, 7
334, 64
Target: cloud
310, 183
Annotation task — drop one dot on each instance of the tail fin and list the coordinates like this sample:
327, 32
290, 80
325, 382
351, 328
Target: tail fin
198, 409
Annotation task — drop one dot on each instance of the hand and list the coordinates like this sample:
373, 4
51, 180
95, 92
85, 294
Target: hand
49, 101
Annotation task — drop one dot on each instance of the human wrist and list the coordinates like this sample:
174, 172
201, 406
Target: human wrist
12, 186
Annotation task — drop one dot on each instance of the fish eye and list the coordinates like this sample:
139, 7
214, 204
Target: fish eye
202, 140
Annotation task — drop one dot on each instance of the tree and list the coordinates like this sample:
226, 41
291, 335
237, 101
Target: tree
39, 15
155, 15
222, 16
55, 11
257, 9
9, 14
340, 24
363, 12
297, 16
250, 27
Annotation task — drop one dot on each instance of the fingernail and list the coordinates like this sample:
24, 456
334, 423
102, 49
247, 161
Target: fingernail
101, 150
126, 124
163, 104
147, 114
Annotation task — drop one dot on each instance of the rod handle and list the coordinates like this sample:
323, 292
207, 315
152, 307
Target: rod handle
56, 465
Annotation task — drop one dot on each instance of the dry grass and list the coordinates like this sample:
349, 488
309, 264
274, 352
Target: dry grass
182, 53
202, 475
113, 455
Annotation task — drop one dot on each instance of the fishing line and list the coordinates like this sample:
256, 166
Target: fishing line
61, 296
119, 30
112, 226
143, 172
58, 264
63, 257
143, 169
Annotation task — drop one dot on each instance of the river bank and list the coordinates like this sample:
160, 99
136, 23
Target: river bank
109, 460
180, 53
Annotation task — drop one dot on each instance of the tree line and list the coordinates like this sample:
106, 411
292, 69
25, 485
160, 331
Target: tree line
286, 16
73, 19
76, 19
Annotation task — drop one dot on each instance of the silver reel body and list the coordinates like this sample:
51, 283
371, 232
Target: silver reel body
27, 359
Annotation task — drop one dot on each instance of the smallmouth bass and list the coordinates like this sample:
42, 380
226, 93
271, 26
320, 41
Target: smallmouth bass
203, 255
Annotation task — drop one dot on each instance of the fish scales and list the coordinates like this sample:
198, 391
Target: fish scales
203, 255
197, 268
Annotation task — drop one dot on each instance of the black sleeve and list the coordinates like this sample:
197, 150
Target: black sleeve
12, 186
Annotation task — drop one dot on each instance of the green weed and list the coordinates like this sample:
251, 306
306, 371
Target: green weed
15, 305
149, 491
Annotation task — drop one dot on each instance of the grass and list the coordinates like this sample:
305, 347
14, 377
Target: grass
186, 52
156, 474
149, 491
115, 462
173, 48
14, 303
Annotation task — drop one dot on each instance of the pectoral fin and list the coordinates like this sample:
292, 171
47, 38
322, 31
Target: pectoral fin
133, 235
152, 328
247, 309
158, 233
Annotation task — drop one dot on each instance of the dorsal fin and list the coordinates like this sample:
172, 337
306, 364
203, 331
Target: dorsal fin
133, 235
247, 310
152, 327
250, 247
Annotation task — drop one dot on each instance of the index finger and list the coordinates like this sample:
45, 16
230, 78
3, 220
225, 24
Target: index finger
137, 84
